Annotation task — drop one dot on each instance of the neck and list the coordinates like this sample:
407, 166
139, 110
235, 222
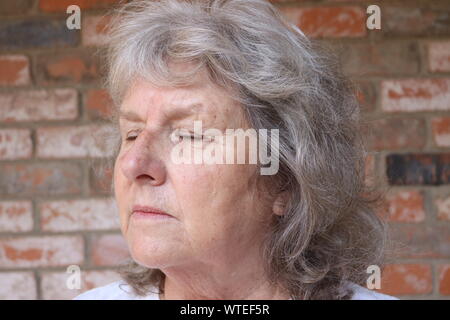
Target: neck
260, 291
220, 283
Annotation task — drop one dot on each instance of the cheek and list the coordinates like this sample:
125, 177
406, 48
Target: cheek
118, 181
213, 196
120, 193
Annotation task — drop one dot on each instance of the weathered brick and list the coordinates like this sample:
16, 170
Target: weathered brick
78, 215
395, 133
61, 5
405, 206
420, 241
37, 34
369, 169
15, 70
433, 18
366, 95
412, 95
418, 169
54, 284
100, 178
16, 216
362, 59
328, 22
37, 105
443, 207
73, 141
17, 286
15, 144
444, 279
109, 250
70, 68
41, 251
439, 56
94, 30
441, 131
98, 104
40, 179
406, 279
15, 7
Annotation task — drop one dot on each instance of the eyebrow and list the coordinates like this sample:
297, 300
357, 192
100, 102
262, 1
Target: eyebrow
177, 113
130, 116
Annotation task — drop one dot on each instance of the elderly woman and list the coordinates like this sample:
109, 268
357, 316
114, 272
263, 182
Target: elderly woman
219, 230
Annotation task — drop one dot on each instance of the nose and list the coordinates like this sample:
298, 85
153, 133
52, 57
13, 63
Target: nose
141, 163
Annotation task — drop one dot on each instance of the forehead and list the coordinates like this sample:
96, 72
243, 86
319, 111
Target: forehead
143, 100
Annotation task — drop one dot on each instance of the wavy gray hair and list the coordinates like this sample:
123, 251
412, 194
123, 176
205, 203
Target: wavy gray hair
330, 232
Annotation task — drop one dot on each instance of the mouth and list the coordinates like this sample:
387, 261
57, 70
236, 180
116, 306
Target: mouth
146, 211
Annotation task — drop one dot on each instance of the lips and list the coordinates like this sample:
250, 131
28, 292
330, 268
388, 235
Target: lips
149, 210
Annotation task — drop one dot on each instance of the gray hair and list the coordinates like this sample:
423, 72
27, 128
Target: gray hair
330, 231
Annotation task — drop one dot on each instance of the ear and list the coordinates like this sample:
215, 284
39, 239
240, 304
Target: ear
279, 204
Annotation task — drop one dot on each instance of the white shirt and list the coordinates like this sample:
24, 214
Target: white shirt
120, 290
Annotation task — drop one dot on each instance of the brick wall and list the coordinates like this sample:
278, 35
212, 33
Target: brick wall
55, 208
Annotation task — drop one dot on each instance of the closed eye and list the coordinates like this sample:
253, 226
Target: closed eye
131, 137
194, 137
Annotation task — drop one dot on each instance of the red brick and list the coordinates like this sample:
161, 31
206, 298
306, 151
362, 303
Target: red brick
41, 251
100, 179
109, 250
15, 70
439, 56
363, 59
76, 215
405, 206
73, 141
61, 5
17, 286
395, 133
366, 95
40, 179
94, 30
75, 67
418, 241
39, 105
16, 216
15, 7
98, 104
329, 22
428, 18
369, 169
441, 131
444, 279
15, 144
443, 207
411, 95
54, 287
406, 279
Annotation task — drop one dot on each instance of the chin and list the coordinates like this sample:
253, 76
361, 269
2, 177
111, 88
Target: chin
151, 253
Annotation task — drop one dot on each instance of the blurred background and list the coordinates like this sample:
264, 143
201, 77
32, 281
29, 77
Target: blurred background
55, 206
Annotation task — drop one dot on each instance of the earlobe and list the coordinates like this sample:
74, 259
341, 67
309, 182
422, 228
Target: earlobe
279, 204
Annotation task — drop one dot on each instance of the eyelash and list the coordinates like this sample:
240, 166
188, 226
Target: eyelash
192, 137
131, 138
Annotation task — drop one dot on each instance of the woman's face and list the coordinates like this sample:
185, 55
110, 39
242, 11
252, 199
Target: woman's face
217, 213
